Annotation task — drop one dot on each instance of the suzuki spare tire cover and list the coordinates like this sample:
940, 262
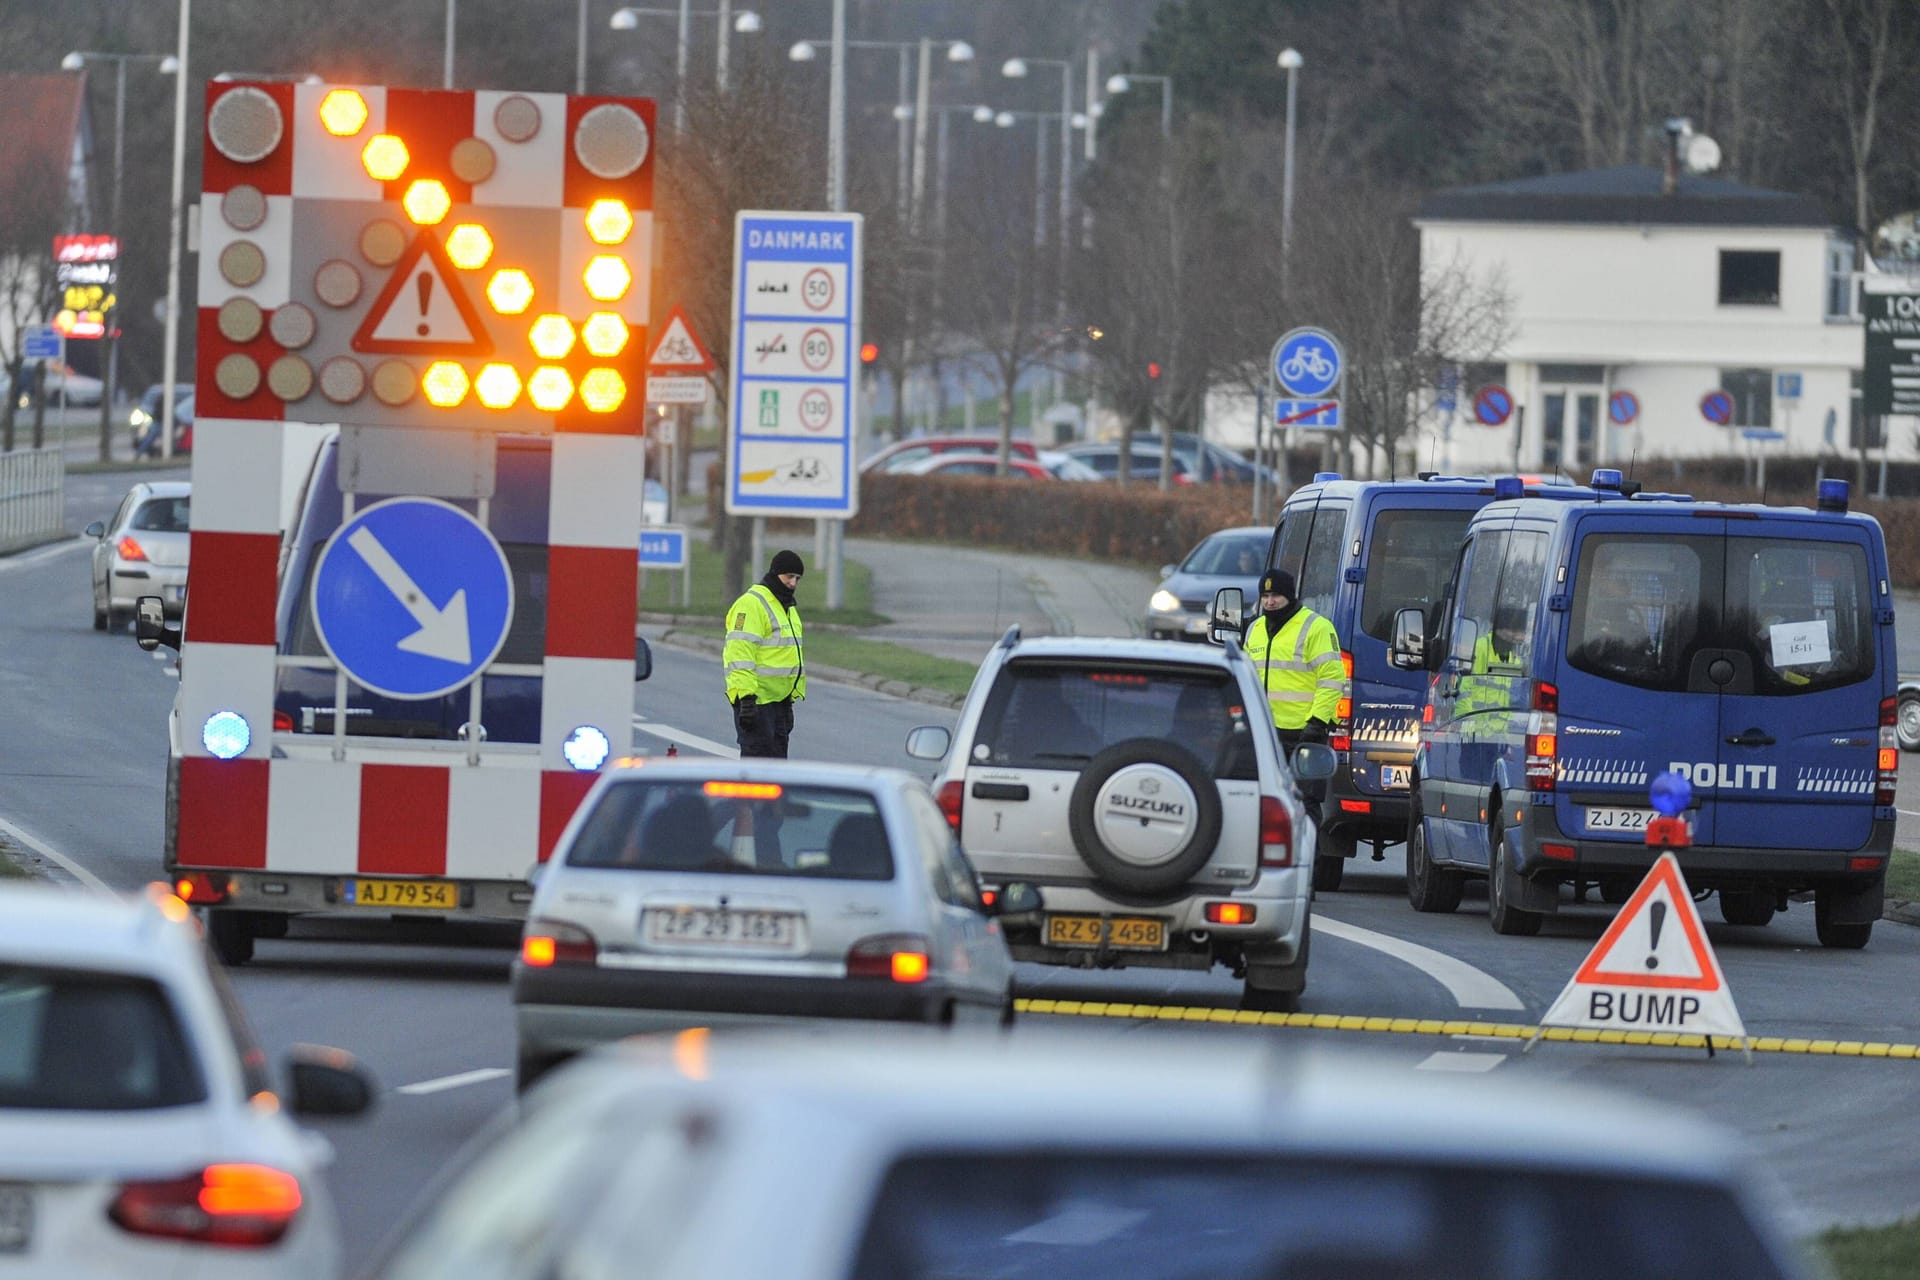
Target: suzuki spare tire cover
1145, 815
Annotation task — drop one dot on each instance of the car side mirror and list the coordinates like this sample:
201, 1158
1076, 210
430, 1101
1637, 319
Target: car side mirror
1408, 650
327, 1082
928, 742
642, 659
1166, 570
95, 530
1229, 610
1313, 761
1015, 898
150, 626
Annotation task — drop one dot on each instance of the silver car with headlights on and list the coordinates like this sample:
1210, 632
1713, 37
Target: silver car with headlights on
701, 892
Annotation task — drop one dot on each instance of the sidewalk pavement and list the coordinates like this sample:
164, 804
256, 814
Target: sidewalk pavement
955, 602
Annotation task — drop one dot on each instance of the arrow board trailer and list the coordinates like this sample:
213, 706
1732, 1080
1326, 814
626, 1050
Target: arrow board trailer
410, 646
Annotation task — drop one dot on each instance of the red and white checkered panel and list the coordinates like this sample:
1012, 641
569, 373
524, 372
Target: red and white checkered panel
299, 247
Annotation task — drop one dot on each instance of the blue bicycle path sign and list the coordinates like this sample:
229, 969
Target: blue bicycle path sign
1307, 363
412, 597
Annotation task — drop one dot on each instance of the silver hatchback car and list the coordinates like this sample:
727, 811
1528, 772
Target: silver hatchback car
700, 892
141, 551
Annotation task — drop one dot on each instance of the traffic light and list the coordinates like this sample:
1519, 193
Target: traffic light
869, 352
1153, 368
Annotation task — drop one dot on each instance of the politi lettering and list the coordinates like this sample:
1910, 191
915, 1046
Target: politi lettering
1728, 777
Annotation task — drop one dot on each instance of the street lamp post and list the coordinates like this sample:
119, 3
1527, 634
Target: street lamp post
77, 61
1122, 83
1290, 62
746, 22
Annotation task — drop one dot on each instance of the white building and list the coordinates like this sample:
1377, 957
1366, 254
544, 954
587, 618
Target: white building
1618, 285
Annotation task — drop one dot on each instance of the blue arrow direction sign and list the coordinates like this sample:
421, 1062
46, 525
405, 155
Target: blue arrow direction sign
1306, 363
412, 597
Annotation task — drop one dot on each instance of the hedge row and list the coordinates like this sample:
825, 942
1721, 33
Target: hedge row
1137, 523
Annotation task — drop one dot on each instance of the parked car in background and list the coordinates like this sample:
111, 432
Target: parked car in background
149, 408
139, 1131
653, 503
1104, 459
1064, 466
81, 391
141, 551
1061, 1157
1907, 718
704, 891
1216, 464
148, 443
973, 464
1183, 602
903, 452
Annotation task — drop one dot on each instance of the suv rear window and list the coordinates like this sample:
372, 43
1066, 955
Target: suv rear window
1088, 1216
1799, 610
76, 1041
1412, 553
1046, 715
736, 828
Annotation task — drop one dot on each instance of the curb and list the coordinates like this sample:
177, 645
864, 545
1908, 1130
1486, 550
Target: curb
1902, 912
677, 638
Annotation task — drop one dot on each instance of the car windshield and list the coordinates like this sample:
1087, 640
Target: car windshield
1044, 715
162, 515
1412, 553
1238, 555
828, 833
1794, 616
84, 1041
1067, 1216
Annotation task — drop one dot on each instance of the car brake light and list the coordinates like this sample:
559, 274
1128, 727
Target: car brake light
282, 722
1230, 913
896, 957
1276, 833
952, 794
1543, 745
1562, 852
1888, 782
1341, 739
128, 549
200, 888
1356, 806
550, 942
1546, 697
228, 1204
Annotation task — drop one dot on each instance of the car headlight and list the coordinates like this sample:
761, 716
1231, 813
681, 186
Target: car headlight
139, 418
1163, 601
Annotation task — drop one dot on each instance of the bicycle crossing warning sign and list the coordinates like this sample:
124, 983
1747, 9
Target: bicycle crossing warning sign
1309, 374
678, 351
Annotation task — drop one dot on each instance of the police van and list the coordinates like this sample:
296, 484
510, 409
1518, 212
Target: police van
1584, 648
1360, 551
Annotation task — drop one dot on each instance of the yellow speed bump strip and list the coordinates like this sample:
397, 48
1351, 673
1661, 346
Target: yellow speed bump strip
1439, 1027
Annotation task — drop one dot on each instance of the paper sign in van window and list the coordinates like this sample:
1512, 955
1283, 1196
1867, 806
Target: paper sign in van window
1800, 644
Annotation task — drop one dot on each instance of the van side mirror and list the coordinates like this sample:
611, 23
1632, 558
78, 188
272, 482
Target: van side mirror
928, 742
1408, 650
150, 626
1229, 615
1313, 761
642, 659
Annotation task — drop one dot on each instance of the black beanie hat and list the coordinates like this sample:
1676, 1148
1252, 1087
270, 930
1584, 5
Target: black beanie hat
1277, 582
786, 562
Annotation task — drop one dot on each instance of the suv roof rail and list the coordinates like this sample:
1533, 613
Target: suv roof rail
1012, 637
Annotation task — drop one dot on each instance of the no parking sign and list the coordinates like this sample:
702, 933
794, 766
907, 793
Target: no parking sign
1492, 405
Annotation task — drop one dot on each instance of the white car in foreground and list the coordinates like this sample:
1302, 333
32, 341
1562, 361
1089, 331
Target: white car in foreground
1135, 1155
140, 1135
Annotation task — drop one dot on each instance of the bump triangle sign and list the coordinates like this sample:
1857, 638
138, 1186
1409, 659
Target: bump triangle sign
423, 310
1653, 969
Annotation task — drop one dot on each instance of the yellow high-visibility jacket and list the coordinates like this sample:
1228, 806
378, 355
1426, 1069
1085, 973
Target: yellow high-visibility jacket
763, 654
1300, 667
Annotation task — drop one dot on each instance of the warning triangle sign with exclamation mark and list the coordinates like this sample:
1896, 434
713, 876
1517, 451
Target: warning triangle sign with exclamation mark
423, 310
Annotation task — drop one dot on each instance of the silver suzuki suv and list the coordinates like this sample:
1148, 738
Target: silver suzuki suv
1140, 786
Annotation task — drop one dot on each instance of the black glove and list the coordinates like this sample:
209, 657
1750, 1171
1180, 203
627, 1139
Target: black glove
1314, 731
748, 709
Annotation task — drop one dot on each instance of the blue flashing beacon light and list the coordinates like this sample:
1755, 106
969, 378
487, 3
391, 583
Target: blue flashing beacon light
1320, 477
1833, 495
1607, 478
1671, 794
1508, 487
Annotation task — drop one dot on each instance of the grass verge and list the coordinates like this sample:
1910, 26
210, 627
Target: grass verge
1903, 876
711, 598
1873, 1253
8, 867
880, 658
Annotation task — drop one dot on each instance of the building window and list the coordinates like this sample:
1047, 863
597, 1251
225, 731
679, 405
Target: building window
1749, 279
1842, 291
1863, 432
1752, 392
1586, 374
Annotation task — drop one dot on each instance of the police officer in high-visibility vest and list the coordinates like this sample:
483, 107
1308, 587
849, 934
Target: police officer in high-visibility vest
1297, 654
766, 672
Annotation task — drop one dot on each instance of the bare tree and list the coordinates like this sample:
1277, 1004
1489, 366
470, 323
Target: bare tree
1855, 48
34, 211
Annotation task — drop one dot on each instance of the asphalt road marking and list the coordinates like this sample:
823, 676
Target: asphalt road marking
54, 856
464, 1078
1438, 1027
1469, 1063
27, 559
668, 733
1470, 988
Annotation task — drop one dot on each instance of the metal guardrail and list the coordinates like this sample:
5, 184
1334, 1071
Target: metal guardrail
33, 503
